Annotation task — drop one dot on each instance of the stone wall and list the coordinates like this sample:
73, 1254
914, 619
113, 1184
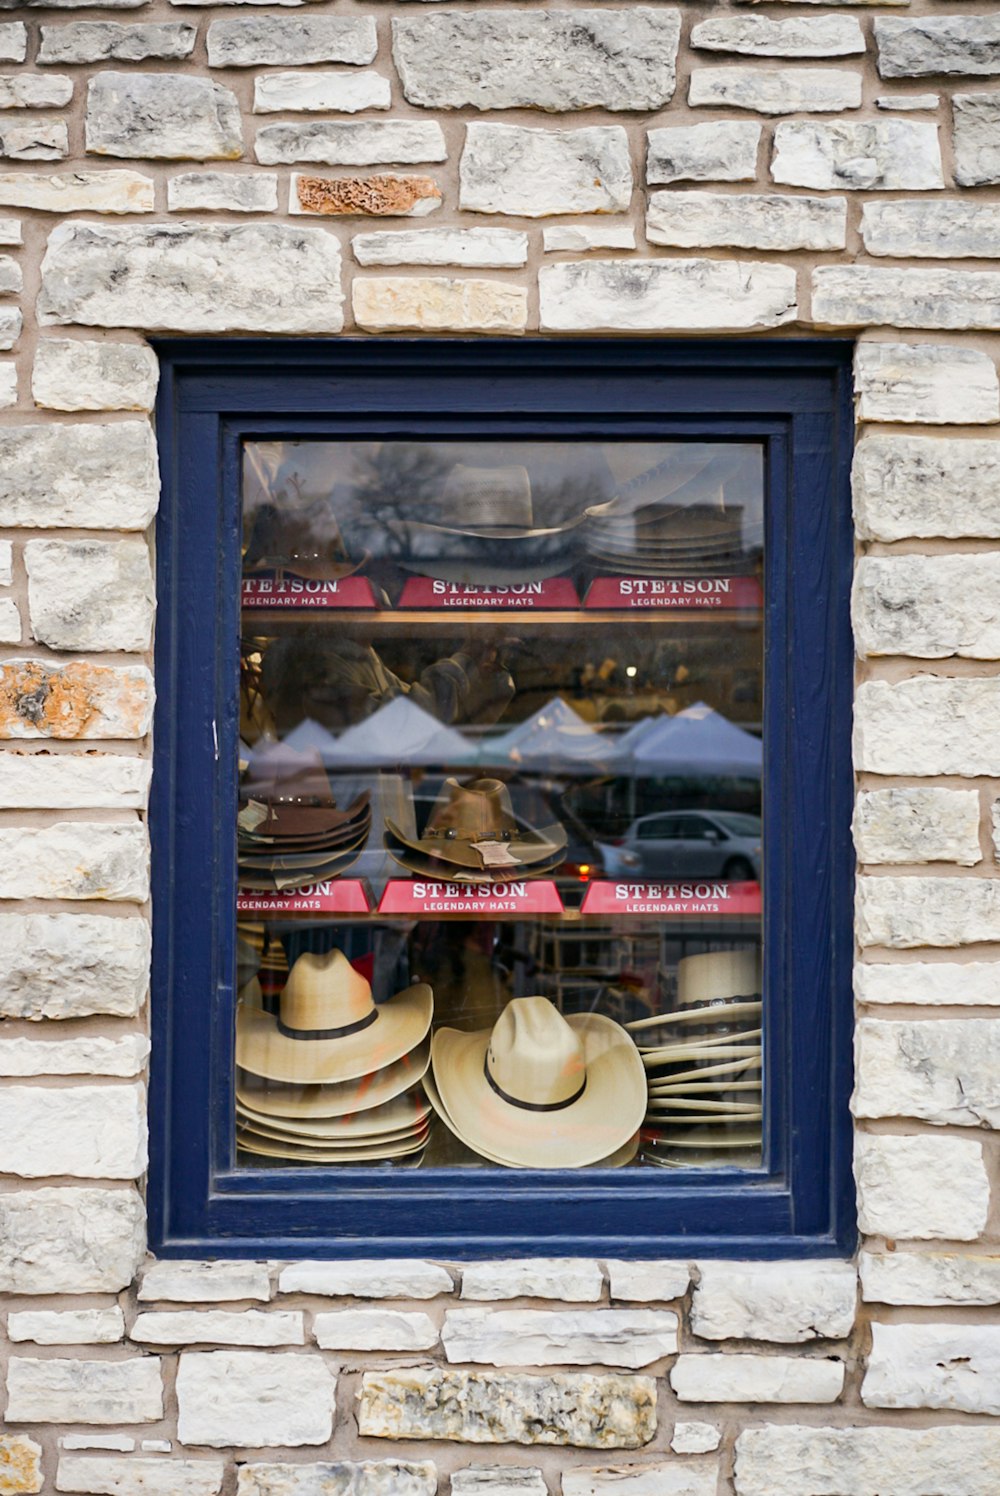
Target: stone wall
620, 169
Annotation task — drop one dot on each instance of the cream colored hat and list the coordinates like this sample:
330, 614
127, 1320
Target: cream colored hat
408, 1112
337, 1100
715, 976
328, 1029
540, 1091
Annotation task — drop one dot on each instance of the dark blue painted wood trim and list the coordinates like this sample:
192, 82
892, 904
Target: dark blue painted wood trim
793, 395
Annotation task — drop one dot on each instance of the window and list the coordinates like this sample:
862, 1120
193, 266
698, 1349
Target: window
502, 871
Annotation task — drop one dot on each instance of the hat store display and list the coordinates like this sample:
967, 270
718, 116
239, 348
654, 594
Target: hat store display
305, 543
473, 836
289, 829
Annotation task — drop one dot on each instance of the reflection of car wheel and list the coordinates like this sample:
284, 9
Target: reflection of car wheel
739, 870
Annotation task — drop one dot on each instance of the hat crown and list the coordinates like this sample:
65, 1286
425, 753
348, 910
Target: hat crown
324, 993
492, 498
473, 812
534, 1057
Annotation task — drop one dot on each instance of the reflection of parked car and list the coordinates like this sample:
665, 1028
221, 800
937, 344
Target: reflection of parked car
699, 843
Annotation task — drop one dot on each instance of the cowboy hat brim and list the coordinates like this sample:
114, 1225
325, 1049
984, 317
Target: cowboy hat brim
264, 1050
425, 867
530, 848
479, 572
309, 571
269, 1148
301, 1139
340, 1099
406, 1113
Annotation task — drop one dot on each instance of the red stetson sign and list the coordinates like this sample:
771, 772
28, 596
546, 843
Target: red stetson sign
705, 896
298, 592
701, 593
334, 896
554, 592
424, 896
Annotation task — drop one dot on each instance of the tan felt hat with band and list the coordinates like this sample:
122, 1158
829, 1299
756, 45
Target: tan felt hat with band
473, 827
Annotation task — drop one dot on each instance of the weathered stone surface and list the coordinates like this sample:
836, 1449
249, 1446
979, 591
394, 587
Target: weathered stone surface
488, 1407
73, 781
510, 169
58, 1391
761, 220
776, 90
757, 1379
759, 36
929, 383
92, 1055
538, 1337
900, 154
41, 140
70, 1240
77, 191
944, 983
13, 41
100, 477
944, 1071
290, 41
787, 1302
941, 229
20, 1465
122, 1476
665, 295
70, 374
678, 1478
346, 93
261, 277
922, 824
914, 47
438, 304
69, 965
929, 1278
908, 486
89, 1132
695, 1438
354, 143
345, 1478
10, 275
934, 1366
569, 1279
471, 248
109, 41
372, 197
903, 913
363, 1278
75, 860
32, 91
8, 386
6, 563
79, 700
203, 191
252, 1399
120, 1443
204, 1282
908, 101
921, 1188
976, 122
498, 1480
166, 116
219, 1327
856, 295
581, 239
724, 151
929, 606
10, 327
10, 621
648, 1282
90, 594
374, 1330
66, 4
952, 1461
547, 59
929, 726
66, 1327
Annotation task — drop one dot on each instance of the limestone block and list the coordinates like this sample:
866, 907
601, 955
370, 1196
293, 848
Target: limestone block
952, 1461
941, 229
857, 295
219, 1327
547, 59
929, 606
934, 1366
907, 486
970, 984
776, 90
70, 965
10, 621
6, 563
943, 1071
41, 140
10, 327
648, 1282
759, 36
90, 594
438, 304
32, 91
110, 41
928, 45
510, 169
353, 143
678, 1478
213, 191
66, 4
252, 1399
122, 1476
371, 197
908, 101
79, 700
98, 477
921, 1188
724, 151
8, 389
10, 275
489, 1407
957, 717
291, 41
581, 239
788, 1302
344, 1478
120, 1443
665, 296
932, 1278
882, 154
66, 1327
903, 913
77, 192
760, 220
20, 1465
756, 1379
91, 1055
976, 124
470, 248
374, 1330
695, 1438
13, 41
220, 277
204, 1282
498, 1480
538, 1337
102, 1392
930, 383
917, 825
89, 1132
344, 93
75, 860
572, 1280
164, 116
70, 1240
364, 1278
71, 374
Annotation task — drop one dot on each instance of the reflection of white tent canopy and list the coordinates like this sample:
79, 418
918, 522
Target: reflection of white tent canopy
400, 732
698, 742
553, 737
310, 737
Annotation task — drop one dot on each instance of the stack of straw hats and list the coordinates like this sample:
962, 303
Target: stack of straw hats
473, 836
332, 1077
290, 830
703, 1063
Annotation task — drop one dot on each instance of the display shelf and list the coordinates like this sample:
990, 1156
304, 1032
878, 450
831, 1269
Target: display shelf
400, 621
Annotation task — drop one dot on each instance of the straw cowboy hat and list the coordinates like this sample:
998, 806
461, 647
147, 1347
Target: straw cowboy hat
328, 1029
473, 832
540, 1091
340, 1099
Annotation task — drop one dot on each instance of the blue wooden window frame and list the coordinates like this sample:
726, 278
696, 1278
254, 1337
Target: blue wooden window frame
795, 397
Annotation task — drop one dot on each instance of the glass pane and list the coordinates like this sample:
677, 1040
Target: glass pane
499, 823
